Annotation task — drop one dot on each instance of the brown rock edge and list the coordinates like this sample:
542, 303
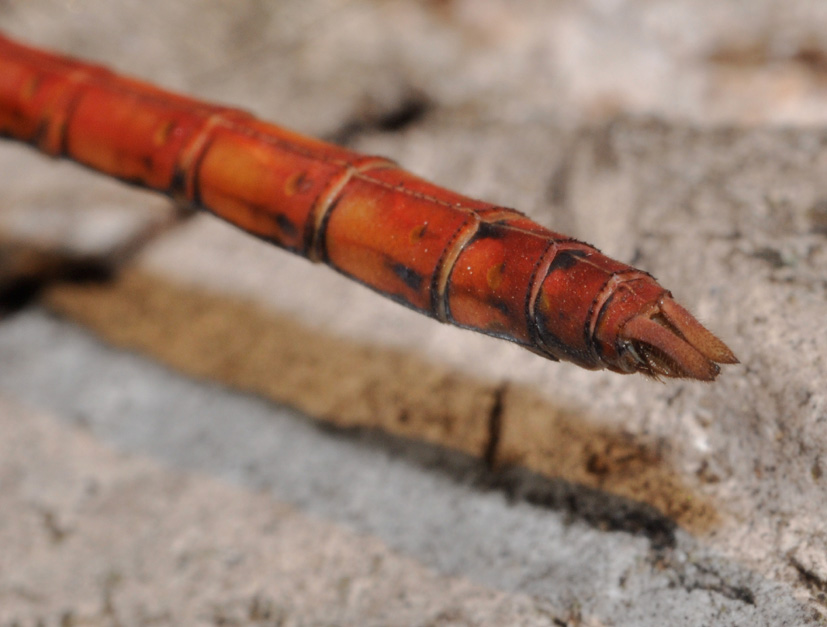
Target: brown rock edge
348, 384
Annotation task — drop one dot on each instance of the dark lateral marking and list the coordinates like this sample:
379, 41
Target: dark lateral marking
321, 236
409, 276
41, 132
495, 427
400, 299
286, 226
499, 305
178, 183
488, 230
566, 259
147, 162
134, 181
69, 112
559, 348
63, 133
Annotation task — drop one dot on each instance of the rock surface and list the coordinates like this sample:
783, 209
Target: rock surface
387, 469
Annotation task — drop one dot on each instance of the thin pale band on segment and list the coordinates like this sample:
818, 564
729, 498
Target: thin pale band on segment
459, 260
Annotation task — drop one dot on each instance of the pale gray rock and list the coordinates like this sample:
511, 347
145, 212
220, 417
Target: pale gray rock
683, 136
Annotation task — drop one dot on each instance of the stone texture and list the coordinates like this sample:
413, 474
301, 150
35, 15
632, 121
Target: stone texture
647, 128
137, 496
101, 538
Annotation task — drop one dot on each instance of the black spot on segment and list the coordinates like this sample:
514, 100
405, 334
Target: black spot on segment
401, 299
487, 230
63, 135
40, 134
147, 163
566, 259
409, 276
287, 227
177, 185
500, 306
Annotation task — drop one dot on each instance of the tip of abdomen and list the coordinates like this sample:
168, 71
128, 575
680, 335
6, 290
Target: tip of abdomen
669, 342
